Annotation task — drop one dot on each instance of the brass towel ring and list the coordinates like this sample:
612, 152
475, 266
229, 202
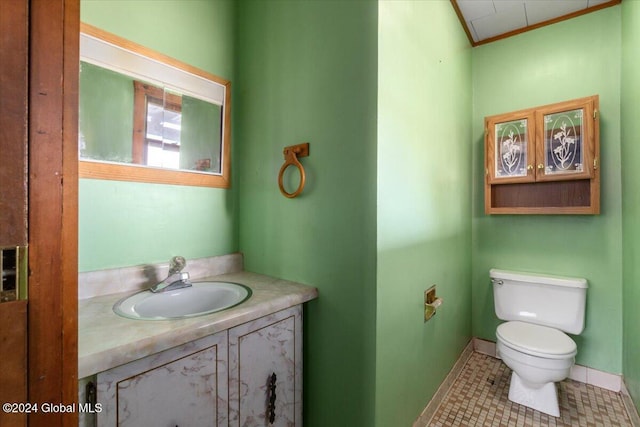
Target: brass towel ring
291, 155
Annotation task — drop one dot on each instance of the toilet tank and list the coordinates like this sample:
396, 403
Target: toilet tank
554, 301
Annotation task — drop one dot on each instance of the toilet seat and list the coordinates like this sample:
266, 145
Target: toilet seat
536, 340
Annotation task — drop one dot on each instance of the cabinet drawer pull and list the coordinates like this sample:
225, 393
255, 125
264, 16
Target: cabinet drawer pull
271, 408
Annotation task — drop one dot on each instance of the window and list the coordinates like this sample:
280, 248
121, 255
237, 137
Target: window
157, 122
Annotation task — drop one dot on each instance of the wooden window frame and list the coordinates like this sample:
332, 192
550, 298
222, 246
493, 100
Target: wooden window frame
136, 173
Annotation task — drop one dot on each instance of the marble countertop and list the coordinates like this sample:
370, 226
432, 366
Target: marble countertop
106, 340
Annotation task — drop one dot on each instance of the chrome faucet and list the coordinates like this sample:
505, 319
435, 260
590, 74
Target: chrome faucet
177, 278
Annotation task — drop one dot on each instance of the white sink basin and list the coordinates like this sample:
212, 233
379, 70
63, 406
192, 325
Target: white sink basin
200, 299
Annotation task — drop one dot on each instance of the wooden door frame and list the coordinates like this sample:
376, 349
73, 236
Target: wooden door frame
53, 208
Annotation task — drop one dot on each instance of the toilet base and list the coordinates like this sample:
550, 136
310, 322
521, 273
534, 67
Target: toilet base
543, 399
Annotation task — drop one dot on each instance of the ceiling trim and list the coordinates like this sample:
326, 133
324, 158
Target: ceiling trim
590, 9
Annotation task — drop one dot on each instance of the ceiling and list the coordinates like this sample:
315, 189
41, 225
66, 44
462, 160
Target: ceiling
488, 20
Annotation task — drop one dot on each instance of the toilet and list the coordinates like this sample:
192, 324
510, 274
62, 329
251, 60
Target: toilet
537, 310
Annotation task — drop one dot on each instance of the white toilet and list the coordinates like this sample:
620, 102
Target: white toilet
537, 309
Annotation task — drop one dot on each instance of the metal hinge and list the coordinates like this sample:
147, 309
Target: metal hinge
595, 163
595, 114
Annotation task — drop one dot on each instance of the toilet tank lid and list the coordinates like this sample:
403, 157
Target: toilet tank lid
546, 279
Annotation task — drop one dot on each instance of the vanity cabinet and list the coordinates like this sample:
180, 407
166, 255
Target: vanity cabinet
249, 375
265, 371
183, 386
544, 160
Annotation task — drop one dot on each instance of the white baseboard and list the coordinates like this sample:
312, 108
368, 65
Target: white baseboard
579, 373
484, 347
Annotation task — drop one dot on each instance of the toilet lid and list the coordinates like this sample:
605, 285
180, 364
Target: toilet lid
536, 340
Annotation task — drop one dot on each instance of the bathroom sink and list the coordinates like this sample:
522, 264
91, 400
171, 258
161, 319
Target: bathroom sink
197, 300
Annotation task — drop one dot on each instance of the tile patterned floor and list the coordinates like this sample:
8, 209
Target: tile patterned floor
479, 397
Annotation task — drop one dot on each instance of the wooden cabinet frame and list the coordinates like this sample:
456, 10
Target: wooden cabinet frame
531, 185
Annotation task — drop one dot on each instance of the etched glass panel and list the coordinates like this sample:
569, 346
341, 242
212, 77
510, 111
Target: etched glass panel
563, 145
511, 149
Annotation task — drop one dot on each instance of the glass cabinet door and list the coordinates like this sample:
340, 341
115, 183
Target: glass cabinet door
565, 149
510, 148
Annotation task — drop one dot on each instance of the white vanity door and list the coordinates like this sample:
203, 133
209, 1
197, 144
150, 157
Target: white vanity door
257, 350
184, 387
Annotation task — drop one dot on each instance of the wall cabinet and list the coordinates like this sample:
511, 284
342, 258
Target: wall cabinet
544, 160
250, 375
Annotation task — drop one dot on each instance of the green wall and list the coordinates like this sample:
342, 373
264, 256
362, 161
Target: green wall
198, 32
424, 203
124, 223
571, 59
141, 223
631, 196
306, 72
